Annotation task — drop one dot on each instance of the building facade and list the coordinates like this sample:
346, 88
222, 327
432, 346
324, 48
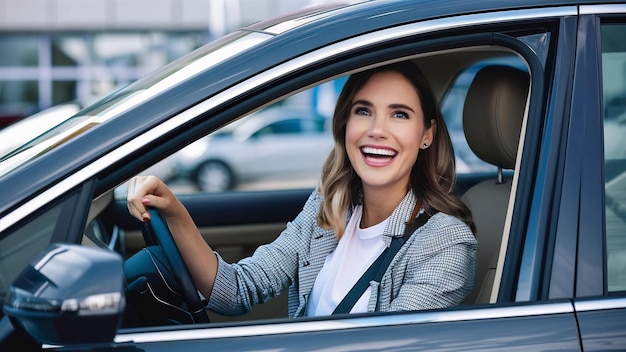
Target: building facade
54, 51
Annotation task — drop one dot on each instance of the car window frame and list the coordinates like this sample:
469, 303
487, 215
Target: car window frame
343, 65
556, 203
349, 61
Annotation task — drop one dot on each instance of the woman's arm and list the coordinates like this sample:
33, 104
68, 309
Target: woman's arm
271, 269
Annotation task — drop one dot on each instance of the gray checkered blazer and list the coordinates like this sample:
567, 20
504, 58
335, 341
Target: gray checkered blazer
434, 269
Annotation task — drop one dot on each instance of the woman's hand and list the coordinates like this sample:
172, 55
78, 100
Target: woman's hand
145, 191
150, 191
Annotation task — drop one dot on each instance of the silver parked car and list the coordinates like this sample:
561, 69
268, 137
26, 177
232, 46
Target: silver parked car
274, 145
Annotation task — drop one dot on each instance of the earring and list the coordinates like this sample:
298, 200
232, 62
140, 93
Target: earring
425, 145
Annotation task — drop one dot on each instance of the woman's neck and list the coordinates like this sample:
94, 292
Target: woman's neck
378, 204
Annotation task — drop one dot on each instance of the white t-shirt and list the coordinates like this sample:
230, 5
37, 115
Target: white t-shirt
356, 251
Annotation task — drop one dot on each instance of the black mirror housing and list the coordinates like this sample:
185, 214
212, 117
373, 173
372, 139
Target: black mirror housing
69, 294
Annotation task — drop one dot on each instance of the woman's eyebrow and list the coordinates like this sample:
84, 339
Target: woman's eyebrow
362, 102
391, 106
401, 106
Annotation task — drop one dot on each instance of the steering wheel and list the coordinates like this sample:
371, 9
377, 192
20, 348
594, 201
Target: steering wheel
156, 231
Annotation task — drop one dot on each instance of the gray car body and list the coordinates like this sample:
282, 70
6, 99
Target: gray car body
552, 295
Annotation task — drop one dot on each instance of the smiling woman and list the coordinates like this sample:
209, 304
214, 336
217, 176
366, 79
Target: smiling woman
379, 109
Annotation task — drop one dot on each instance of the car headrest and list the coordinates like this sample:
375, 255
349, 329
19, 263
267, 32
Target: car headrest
493, 113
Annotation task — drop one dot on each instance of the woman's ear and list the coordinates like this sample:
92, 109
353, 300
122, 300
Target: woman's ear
429, 134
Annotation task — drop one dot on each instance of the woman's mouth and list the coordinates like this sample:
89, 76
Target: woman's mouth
376, 156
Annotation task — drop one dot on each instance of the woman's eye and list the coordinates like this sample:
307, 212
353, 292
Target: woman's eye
401, 115
359, 110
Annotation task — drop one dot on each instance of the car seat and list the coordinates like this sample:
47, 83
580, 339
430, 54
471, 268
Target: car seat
492, 119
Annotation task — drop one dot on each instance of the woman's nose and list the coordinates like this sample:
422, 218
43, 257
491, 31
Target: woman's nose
377, 127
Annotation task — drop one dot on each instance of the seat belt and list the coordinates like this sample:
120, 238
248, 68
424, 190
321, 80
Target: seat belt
377, 269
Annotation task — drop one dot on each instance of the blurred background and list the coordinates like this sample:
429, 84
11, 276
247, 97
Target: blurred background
55, 51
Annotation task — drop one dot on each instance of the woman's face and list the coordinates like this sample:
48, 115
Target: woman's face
385, 131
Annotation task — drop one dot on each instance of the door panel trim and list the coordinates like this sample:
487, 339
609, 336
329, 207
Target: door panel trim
602, 9
353, 321
600, 304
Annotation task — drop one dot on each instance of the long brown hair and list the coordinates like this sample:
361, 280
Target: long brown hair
433, 175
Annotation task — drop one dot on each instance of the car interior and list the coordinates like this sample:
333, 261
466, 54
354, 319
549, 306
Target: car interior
235, 223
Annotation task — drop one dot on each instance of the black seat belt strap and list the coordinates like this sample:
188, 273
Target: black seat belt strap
376, 271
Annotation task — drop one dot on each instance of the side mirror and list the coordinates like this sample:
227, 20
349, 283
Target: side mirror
70, 294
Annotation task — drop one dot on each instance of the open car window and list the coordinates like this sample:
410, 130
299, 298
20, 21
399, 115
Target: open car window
283, 145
